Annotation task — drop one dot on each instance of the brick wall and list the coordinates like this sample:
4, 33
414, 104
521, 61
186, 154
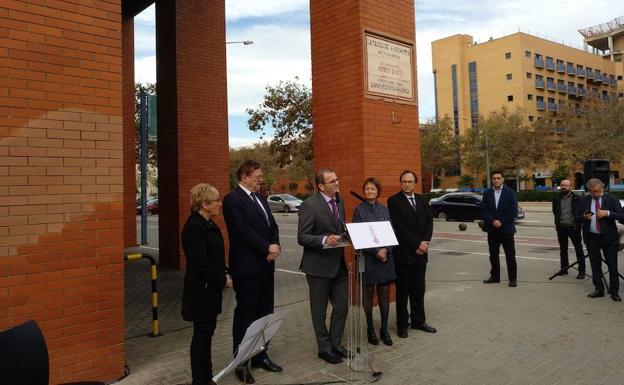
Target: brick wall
61, 231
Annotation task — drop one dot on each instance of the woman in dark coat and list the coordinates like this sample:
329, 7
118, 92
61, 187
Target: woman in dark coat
205, 277
378, 262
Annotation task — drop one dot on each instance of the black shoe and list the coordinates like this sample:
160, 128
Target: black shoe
372, 337
402, 332
342, 352
491, 280
266, 364
244, 375
330, 357
581, 275
596, 294
562, 272
385, 337
616, 297
513, 283
424, 327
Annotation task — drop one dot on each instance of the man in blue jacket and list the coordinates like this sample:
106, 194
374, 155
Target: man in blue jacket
499, 208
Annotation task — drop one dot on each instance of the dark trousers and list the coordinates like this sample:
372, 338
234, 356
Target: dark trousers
201, 363
596, 245
254, 300
574, 233
336, 291
410, 284
495, 240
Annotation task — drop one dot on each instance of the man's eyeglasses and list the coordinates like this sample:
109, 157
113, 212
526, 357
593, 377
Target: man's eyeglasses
407, 182
335, 181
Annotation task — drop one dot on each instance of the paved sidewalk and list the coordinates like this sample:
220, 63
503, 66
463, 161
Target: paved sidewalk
543, 332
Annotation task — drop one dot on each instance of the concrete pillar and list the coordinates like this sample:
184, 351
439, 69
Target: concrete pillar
192, 112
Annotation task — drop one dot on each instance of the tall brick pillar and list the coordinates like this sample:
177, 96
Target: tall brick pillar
363, 130
192, 111
129, 159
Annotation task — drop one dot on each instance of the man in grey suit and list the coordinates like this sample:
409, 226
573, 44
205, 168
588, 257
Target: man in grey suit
321, 219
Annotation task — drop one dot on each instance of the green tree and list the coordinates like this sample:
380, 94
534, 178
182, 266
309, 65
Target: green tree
591, 130
152, 150
287, 109
438, 147
260, 152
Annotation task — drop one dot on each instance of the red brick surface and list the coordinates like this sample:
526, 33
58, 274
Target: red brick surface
192, 113
353, 134
61, 230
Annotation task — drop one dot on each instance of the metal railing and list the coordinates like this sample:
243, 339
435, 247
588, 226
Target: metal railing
154, 279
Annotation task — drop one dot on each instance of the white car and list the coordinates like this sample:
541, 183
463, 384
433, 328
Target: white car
284, 202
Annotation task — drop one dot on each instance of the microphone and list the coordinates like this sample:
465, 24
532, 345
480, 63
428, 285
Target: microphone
358, 196
345, 233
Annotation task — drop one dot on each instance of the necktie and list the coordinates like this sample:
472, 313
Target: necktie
597, 220
335, 212
253, 198
413, 202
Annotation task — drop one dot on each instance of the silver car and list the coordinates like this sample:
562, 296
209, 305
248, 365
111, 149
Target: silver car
284, 202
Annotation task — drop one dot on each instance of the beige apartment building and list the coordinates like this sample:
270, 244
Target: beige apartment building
522, 70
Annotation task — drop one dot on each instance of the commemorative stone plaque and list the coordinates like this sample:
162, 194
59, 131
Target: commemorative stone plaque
389, 68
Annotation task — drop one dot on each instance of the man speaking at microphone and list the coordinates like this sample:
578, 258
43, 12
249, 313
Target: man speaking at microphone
321, 221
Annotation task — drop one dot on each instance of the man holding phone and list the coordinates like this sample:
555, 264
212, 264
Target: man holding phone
599, 211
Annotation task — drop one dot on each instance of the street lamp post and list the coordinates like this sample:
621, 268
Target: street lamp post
245, 42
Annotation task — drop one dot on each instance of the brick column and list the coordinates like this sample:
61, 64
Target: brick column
129, 158
356, 134
61, 230
192, 112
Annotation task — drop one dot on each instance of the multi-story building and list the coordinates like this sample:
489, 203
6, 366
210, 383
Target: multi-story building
518, 70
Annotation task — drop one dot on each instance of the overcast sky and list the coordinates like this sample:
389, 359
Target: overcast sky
280, 30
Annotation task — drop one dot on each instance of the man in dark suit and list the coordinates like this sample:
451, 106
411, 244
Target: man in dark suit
321, 223
499, 207
564, 205
413, 224
599, 211
254, 247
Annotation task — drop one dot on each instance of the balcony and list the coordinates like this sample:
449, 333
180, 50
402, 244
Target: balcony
550, 65
605, 97
541, 105
561, 88
571, 89
550, 86
581, 92
559, 129
571, 69
539, 83
561, 68
539, 62
552, 107
590, 74
613, 81
580, 72
599, 77
605, 80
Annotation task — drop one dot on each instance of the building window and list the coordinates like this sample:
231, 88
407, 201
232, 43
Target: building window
510, 98
507, 55
530, 97
531, 118
457, 169
474, 97
509, 76
529, 75
527, 53
619, 77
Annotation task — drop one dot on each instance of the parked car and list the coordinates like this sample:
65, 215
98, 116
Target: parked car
461, 206
284, 202
152, 206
